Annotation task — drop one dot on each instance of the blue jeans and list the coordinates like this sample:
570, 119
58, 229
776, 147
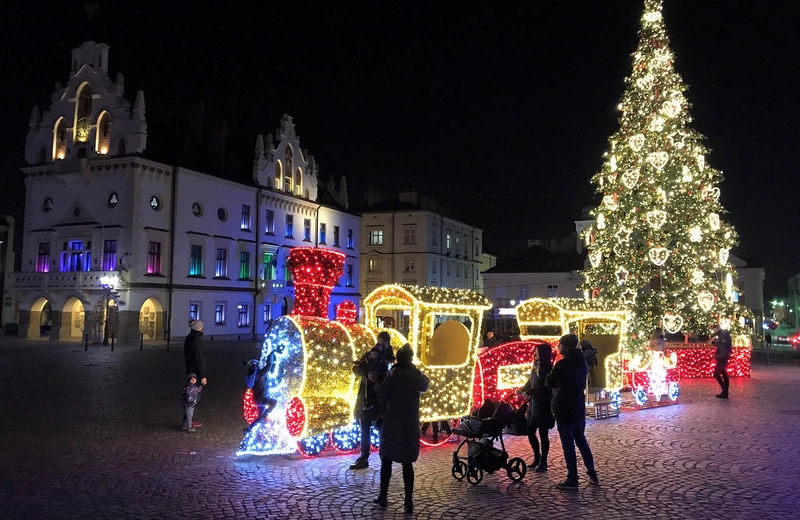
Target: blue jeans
572, 433
188, 411
368, 417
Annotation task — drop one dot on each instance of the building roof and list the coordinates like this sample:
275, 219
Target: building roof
392, 205
537, 259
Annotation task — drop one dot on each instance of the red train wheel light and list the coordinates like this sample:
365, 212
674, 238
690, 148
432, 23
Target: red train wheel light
296, 417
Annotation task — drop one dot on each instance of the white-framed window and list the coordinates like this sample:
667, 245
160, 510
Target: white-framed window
196, 261
323, 233
269, 229
243, 315
195, 309
435, 236
466, 245
246, 220
373, 265
433, 267
409, 266
409, 235
335, 236
220, 312
552, 291
289, 226
267, 317
307, 230
477, 248
376, 237
458, 271
448, 268
448, 241
524, 292
349, 280
221, 266
458, 244
350, 240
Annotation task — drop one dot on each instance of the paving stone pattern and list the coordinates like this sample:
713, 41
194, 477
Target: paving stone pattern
96, 435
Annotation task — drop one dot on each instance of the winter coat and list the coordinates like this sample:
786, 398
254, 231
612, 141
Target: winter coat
191, 394
591, 357
539, 413
194, 353
567, 380
400, 431
367, 398
724, 345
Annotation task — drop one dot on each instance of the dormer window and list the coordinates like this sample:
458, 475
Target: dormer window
83, 113
60, 139
103, 133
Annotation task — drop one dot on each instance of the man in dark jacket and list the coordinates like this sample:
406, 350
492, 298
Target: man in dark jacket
372, 369
722, 354
567, 380
194, 354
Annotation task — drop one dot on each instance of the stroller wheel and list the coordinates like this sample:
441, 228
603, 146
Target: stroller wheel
516, 469
459, 470
474, 476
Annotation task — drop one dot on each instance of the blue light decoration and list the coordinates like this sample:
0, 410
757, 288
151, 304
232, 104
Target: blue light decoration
374, 437
346, 439
641, 396
283, 351
674, 391
314, 445
616, 399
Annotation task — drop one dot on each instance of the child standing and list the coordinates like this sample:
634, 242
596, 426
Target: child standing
191, 395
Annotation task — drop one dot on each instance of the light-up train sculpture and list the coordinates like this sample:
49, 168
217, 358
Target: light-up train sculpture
301, 392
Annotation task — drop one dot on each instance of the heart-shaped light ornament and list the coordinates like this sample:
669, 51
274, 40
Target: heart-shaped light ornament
706, 300
636, 142
645, 82
673, 323
671, 108
697, 276
713, 221
656, 218
701, 162
595, 257
630, 178
658, 255
610, 203
696, 234
724, 254
657, 124
658, 159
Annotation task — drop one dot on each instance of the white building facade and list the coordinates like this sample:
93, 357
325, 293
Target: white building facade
174, 243
409, 242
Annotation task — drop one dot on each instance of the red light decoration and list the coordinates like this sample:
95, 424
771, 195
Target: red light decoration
295, 417
641, 378
487, 386
315, 272
698, 361
346, 313
249, 407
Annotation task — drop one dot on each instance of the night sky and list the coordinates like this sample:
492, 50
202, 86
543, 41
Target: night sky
501, 109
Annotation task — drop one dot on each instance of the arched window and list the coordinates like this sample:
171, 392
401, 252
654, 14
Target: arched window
289, 162
298, 181
103, 133
60, 139
83, 113
121, 148
278, 175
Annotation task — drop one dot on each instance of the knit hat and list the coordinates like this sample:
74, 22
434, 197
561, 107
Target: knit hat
191, 375
570, 341
405, 355
196, 324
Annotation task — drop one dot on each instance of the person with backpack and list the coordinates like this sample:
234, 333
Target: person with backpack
590, 353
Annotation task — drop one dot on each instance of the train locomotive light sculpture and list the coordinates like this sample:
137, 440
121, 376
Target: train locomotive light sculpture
303, 390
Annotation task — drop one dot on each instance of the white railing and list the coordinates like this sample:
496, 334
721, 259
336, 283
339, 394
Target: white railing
89, 279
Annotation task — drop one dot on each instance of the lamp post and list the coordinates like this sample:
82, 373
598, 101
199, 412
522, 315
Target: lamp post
108, 283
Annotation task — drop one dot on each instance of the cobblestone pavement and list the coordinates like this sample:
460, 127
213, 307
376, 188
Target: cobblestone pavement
95, 435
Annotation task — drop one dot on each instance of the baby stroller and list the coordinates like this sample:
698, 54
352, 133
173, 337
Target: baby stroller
480, 433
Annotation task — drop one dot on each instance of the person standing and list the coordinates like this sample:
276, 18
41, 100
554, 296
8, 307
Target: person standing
590, 353
567, 381
194, 354
191, 392
400, 431
539, 415
372, 369
722, 354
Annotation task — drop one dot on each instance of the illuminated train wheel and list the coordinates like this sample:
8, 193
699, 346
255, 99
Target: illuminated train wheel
313, 446
346, 439
437, 433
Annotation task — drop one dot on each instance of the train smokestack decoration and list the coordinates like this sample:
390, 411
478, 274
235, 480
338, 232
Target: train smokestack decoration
302, 391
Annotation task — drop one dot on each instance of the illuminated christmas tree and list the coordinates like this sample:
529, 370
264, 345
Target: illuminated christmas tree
658, 244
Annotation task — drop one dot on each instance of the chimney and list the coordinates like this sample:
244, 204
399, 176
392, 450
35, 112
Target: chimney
315, 271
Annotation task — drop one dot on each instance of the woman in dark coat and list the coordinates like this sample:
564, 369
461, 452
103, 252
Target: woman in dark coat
400, 431
540, 415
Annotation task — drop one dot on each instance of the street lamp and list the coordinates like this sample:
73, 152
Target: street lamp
108, 283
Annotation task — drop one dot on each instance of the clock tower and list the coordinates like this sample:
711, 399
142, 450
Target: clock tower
89, 117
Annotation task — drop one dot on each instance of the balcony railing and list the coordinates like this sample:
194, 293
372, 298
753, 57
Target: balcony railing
81, 279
